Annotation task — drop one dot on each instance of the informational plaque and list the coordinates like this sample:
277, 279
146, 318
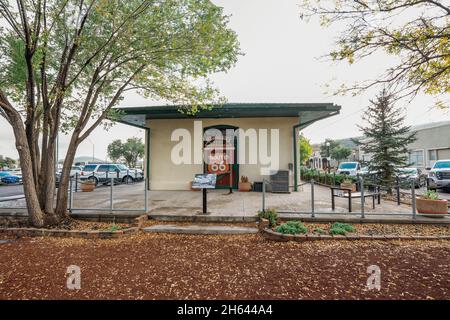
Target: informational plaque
204, 181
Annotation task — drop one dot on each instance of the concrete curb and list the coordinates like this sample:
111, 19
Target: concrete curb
86, 234
280, 237
200, 230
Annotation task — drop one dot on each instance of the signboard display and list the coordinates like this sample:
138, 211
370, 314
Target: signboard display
204, 181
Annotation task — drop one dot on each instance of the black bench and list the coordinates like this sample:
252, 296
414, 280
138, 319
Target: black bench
349, 194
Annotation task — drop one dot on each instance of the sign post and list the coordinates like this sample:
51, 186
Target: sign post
204, 181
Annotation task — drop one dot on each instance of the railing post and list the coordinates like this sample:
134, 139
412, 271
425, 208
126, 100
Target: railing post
76, 181
397, 189
264, 195
128, 173
145, 196
413, 198
111, 196
312, 198
70, 194
361, 190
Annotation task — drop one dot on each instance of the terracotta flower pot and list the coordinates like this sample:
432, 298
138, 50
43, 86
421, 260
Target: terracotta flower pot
431, 207
351, 186
244, 186
87, 187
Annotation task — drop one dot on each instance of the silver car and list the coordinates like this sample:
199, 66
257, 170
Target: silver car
439, 175
407, 175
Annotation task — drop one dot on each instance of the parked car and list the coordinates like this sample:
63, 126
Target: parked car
8, 178
406, 175
349, 168
75, 169
102, 173
439, 175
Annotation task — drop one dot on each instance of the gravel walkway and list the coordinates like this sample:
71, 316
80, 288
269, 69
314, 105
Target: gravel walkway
157, 266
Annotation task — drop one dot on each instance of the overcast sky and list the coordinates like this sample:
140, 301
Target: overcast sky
281, 64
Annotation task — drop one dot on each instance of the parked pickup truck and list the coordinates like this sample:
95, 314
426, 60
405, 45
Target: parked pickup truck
439, 175
102, 173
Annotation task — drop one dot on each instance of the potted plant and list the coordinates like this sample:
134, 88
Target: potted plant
430, 204
244, 185
87, 185
348, 184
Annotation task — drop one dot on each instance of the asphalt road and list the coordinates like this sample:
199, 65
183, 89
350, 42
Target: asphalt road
12, 190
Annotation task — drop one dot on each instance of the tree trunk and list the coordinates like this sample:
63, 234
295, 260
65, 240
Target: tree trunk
35, 214
62, 197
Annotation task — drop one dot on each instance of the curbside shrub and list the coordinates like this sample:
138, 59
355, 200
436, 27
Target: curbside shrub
292, 227
269, 214
339, 228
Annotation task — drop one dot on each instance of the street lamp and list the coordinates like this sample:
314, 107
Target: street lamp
327, 144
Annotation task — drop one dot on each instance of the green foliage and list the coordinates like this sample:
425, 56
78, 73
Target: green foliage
386, 137
341, 153
130, 151
323, 177
305, 149
341, 228
269, 214
430, 195
292, 227
324, 149
413, 33
114, 227
319, 231
7, 162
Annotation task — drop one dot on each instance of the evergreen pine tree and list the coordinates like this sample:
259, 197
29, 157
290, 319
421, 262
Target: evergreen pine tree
386, 138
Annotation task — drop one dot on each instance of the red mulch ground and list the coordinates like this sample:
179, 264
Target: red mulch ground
156, 266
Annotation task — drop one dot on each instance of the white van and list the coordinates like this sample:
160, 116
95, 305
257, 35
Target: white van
349, 168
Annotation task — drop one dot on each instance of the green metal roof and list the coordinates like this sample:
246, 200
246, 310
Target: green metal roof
307, 112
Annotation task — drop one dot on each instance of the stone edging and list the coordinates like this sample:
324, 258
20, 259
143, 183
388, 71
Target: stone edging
90, 234
277, 236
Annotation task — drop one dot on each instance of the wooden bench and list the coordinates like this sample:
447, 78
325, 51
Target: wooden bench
349, 194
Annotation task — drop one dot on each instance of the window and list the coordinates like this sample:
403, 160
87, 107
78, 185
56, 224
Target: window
432, 155
416, 157
103, 168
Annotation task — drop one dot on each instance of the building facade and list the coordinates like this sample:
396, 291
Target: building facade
176, 143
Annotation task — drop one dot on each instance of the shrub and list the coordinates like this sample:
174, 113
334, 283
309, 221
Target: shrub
292, 227
336, 230
430, 195
319, 231
341, 228
114, 227
269, 214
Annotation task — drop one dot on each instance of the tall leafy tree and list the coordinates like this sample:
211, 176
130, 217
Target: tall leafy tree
115, 150
326, 151
305, 149
130, 151
415, 32
66, 63
340, 153
386, 138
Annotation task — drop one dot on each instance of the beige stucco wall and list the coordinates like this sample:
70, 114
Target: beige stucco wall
165, 175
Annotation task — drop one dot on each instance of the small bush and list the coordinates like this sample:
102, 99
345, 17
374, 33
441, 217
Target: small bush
269, 214
114, 227
319, 231
337, 230
292, 227
341, 228
431, 195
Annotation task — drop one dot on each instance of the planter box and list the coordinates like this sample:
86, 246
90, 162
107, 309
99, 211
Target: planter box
351, 186
244, 186
87, 187
431, 207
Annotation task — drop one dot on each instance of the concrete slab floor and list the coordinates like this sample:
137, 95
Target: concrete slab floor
221, 203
